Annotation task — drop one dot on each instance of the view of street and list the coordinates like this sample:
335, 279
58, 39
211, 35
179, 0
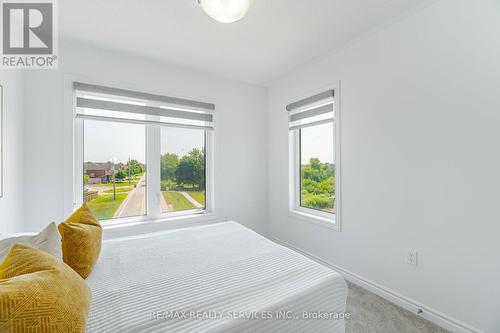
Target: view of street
129, 199
135, 202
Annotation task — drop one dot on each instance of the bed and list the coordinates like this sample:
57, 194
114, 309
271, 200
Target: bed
214, 278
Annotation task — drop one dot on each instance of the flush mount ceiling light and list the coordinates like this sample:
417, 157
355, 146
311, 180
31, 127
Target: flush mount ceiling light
225, 11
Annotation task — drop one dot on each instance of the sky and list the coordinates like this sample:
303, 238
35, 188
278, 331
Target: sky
317, 142
105, 140
181, 140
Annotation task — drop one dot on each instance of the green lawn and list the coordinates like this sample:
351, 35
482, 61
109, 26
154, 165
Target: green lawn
198, 196
125, 183
178, 201
104, 207
120, 190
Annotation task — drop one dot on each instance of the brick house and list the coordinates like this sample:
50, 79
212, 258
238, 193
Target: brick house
100, 172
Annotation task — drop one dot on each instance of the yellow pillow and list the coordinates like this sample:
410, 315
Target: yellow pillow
40, 293
81, 237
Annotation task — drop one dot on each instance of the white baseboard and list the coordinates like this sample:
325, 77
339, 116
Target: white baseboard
428, 313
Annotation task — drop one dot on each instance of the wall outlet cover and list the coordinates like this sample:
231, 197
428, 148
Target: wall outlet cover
412, 257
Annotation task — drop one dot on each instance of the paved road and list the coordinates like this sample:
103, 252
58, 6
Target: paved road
135, 203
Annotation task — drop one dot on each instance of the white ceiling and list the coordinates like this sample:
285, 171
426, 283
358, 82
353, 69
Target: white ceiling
275, 37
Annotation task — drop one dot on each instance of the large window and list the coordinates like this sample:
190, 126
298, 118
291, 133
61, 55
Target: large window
314, 151
182, 169
141, 156
114, 169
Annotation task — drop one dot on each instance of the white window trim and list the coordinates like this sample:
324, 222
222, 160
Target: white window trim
153, 152
296, 211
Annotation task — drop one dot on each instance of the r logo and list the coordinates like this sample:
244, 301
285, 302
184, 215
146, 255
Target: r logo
27, 28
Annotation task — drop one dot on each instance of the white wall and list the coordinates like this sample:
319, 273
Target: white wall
420, 155
420, 158
10, 205
240, 137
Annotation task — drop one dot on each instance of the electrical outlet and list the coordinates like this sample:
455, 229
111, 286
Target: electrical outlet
412, 257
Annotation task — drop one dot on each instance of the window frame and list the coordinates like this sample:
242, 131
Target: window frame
153, 152
318, 217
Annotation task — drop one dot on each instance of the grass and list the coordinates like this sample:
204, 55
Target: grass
125, 183
120, 190
198, 196
104, 207
178, 201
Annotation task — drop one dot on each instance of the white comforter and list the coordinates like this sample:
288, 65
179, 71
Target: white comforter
216, 278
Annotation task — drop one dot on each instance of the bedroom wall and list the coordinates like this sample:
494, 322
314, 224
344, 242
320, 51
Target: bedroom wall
240, 137
11, 202
420, 160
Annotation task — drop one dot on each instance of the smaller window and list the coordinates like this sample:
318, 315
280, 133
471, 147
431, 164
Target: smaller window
317, 168
313, 124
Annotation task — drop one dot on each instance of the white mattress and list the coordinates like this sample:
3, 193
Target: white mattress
209, 279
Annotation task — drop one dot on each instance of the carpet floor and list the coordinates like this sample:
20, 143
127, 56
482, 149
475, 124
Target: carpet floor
373, 314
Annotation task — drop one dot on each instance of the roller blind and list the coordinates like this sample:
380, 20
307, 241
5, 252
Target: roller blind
314, 110
120, 105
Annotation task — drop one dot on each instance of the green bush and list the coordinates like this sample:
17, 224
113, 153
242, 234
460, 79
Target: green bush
318, 201
318, 185
167, 185
120, 175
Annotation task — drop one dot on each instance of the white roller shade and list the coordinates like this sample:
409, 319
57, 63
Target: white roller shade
314, 110
120, 105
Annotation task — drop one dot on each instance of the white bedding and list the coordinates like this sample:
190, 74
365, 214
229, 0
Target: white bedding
208, 279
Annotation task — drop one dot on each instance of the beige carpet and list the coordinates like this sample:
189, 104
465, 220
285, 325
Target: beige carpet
373, 314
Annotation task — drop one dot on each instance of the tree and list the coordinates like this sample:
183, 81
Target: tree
318, 184
120, 175
198, 161
191, 169
86, 179
134, 167
168, 166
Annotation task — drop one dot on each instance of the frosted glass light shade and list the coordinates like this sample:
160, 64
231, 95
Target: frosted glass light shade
225, 11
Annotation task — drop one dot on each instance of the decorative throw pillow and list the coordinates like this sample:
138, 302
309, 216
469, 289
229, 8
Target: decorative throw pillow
81, 240
48, 240
40, 293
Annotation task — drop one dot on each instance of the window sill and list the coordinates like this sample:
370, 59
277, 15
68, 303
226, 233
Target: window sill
314, 219
127, 228
144, 218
